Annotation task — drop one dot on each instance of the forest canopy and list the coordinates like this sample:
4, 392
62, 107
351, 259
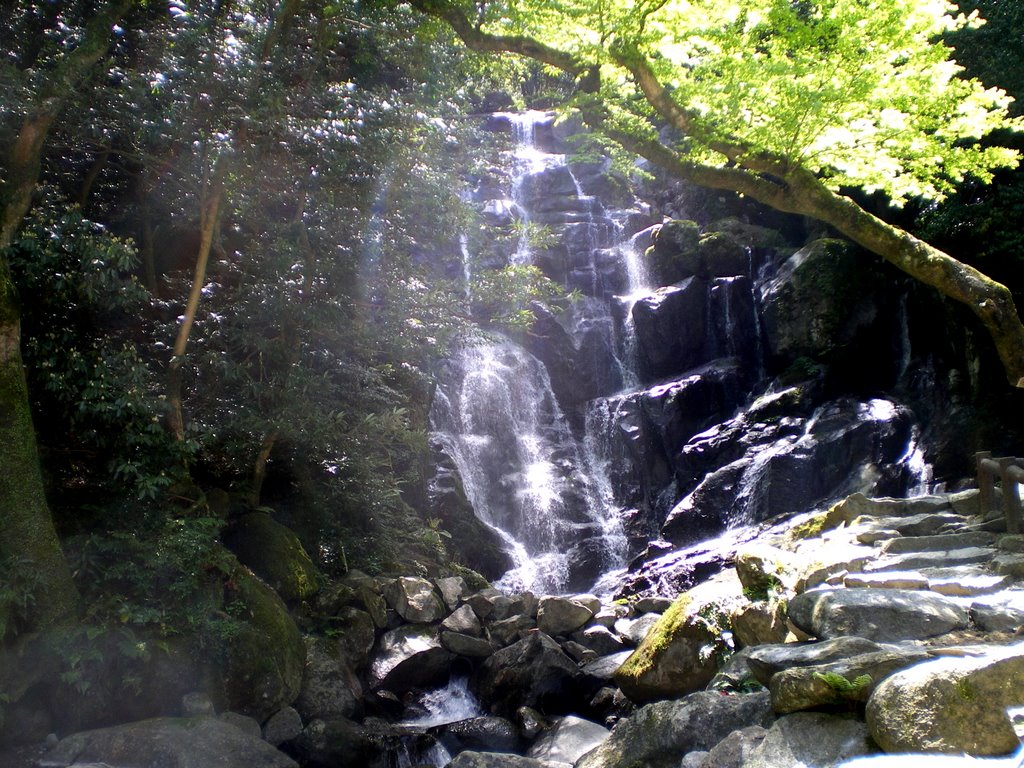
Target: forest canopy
795, 104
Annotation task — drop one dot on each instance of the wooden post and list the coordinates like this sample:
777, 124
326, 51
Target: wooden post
985, 483
1012, 475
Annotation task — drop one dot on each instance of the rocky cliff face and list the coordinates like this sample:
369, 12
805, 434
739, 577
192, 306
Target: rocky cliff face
711, 373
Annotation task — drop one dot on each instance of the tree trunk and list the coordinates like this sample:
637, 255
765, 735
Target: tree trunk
26, 526
28, 540
773, 180
208, 218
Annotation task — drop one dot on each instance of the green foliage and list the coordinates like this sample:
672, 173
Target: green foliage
772, 589
862, 94
503, 297
78, 293
19, 584
842, 688
165, 579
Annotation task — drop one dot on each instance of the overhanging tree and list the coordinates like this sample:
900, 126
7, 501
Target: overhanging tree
793, 103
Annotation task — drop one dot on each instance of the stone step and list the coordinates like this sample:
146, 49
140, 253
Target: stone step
913, 561
969, 586
951, 582
883, 615
886, 580
938, 543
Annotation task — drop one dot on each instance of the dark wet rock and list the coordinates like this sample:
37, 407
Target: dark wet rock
336, 742
476, 545
248, 725
485, 734
672, 256
410, 656
670, 328
532, 672
876, 614
823, 303
283, 726
265, 658
356, 633
195, 742
657, 734
492, 760
329, 687
788, 466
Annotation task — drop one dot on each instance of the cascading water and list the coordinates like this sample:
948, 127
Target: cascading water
629, 419
538, 483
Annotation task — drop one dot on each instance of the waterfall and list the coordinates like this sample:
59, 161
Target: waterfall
539, 482
523, 471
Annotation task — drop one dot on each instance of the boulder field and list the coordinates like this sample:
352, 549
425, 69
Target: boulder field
878, 626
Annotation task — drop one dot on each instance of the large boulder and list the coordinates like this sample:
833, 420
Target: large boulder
658, 735
876, 614
951, 704
335, 743
265, 657
767, 660
568, 740
414, 600
329, 687
674, 659
487, 734
194, 742
827, 303
275, 554
839, 683
810, 739
772, 461
411, 656
670, 328
561, 615
532, 672
493, 760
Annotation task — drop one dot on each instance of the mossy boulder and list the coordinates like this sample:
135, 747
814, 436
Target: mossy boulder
681, 251
275, 554
673, 257
263, 654
674, 659
824, 300
953, 705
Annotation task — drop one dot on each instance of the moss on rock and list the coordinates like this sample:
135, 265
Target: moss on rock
674, 659
264, 654
275, 554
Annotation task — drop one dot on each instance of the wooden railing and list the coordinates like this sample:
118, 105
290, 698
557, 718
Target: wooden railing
1009, 470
